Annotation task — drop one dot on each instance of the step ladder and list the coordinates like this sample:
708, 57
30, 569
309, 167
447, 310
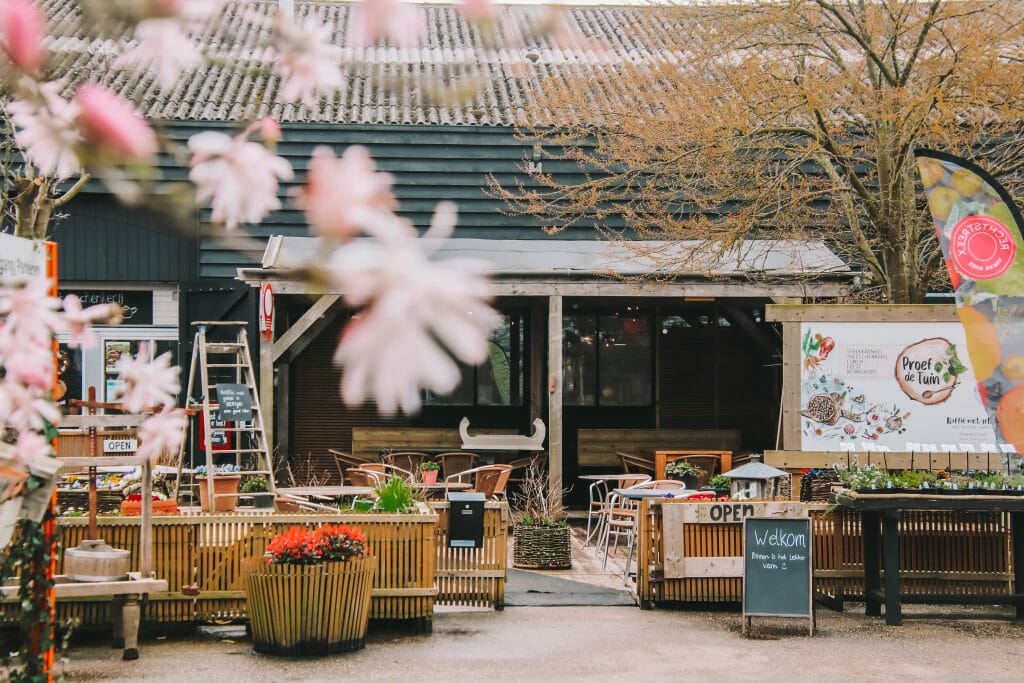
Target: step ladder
226, 357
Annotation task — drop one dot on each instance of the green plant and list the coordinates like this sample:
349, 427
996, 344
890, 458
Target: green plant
681, 468
862, 477
429, 466
395, 495
254, 485
720, 481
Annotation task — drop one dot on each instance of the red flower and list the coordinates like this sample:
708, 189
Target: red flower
329, 543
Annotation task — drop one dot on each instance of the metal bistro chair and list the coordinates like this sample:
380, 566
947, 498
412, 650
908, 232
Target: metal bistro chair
597, 511
489, 480
386, 470
622, 518
456, 461
635, 464
343, 460
358, 476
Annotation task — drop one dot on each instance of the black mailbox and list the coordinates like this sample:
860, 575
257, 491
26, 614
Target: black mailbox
466, 520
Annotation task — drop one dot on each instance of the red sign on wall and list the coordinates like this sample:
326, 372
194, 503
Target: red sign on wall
266, 310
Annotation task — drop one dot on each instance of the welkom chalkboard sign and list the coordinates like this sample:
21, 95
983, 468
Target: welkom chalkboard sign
777, 569
235, 402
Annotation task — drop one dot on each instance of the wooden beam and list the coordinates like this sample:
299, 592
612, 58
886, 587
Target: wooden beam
266, 390
555, 398
283, 417
842, 313
301, 326
791, 359
100, 421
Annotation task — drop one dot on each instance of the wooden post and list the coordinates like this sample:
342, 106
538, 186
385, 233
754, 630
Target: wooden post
266, 388
146, 523
555, 398
790, 399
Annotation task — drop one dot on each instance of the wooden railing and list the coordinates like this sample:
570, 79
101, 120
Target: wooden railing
941, 552
204, 553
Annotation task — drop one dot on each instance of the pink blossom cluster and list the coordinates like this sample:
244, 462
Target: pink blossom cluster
420, 316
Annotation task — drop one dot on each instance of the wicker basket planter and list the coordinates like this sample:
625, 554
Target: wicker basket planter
314, 609
541, 547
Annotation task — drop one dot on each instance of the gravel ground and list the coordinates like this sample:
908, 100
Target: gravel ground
598, 644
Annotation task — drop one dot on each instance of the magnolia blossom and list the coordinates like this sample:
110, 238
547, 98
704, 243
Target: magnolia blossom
416, 309
30, 363
307, 61
161, 433
78, 321
45, 129
30, 447
345, 195
162, 44
25, 410
23, 29
30, 313
112, 126
240, 177
147, 383
374, 21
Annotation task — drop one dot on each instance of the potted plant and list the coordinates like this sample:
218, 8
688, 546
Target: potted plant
132, 505
684, 472
225, 480
258, 488
540, 532
428, 472
310, 593
720, 484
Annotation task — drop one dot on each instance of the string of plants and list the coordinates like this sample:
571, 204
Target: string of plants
874, 479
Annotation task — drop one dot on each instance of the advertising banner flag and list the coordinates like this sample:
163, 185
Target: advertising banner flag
978, 226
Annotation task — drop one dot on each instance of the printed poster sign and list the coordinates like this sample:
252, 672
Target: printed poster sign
903, 387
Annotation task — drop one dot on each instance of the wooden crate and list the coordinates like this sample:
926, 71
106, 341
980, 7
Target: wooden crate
940, 553
474, 577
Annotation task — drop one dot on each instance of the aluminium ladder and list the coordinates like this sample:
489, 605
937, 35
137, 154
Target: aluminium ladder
249, 446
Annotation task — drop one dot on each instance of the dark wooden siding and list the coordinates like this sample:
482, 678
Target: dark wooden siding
101, 239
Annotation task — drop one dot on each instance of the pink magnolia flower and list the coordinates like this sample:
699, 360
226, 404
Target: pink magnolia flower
79, 321
147, 383
31, 447
24, 409
344, 195
374, 21
44, 127
307, 61
112, 126
162, 45
30, 363
161, 433
23, 29
240, 177
30, 311
419, 314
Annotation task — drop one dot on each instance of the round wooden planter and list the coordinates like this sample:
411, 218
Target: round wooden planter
222, 483
314, 609
541, 547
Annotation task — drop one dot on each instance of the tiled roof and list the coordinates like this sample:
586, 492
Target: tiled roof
455, 53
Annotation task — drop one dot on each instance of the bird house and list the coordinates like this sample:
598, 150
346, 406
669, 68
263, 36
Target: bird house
756, 480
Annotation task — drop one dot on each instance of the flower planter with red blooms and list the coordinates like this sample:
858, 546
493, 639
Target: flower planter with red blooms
132, 506
310, 593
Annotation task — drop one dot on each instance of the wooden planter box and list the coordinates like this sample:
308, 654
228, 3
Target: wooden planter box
540, 547
222, 483
309, 609
132, 508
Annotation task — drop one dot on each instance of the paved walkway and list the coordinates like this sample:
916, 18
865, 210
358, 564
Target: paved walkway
600, 644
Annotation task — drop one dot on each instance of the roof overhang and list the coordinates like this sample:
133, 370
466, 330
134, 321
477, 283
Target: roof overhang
548, 267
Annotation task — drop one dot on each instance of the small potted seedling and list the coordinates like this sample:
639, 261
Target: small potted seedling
259, 490
428, 472
684, 472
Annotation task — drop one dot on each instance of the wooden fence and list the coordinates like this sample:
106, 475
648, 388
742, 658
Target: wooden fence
205, 552
940, 552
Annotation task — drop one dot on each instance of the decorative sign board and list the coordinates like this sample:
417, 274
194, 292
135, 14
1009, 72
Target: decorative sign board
136, 305
235, 402
778, 569
266, 310
120, 445
20, 258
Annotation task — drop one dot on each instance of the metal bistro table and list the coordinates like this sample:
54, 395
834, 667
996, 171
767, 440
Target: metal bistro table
325, 492
442, 488
637, 494
880, 516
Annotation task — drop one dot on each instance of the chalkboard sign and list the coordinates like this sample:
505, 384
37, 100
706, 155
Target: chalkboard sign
235, 402
777, 568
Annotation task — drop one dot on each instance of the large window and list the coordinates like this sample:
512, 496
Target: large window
607, 358
497, 382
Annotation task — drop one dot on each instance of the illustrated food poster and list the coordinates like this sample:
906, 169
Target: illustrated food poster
978, 226
890, 387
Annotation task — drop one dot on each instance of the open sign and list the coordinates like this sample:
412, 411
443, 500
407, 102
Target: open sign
120, 445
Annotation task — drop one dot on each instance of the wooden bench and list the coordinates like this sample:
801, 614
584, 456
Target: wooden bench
368, 441
597, 447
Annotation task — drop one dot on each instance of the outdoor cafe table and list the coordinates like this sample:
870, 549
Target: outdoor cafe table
442, 488
880, 516
325, 492
637, 494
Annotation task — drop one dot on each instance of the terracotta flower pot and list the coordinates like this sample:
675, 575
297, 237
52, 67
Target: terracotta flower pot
133, 508
222, 483
312, 609
429, 477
